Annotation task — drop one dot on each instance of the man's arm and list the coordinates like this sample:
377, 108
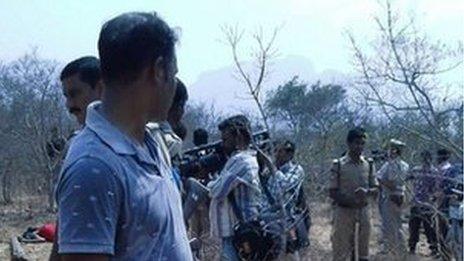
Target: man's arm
89, 198
237, 171
54, 256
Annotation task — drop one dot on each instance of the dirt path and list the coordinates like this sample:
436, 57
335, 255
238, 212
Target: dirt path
15, 219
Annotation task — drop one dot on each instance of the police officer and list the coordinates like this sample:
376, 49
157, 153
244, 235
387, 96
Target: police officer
352, 183
392, 176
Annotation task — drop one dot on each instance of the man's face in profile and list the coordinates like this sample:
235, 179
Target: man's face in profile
78, 95
163, 94
282, 155
228, 140
356, 147
176, 113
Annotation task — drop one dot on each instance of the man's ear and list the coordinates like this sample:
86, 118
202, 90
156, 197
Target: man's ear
99, 88
159, 69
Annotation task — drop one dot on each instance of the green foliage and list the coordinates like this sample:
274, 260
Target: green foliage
307, 109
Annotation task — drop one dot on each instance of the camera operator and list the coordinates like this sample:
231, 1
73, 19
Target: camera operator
284, 186
236, 193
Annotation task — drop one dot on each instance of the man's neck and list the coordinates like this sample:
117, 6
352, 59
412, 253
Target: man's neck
121, 110
444, 162
281, 164
237, 149
427, 165
241, 147
354, 156
171, 123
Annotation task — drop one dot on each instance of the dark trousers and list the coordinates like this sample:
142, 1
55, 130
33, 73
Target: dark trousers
443, 226
421, 217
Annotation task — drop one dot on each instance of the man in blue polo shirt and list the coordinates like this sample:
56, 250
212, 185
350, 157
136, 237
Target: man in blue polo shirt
115, 195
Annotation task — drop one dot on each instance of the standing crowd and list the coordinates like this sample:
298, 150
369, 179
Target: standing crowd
123, 190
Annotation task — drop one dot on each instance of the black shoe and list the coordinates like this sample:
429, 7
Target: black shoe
434, 254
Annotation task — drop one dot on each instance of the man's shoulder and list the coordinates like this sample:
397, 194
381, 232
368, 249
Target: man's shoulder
243, 162
153, 126
87, 144
299, 168
404, 164
166, 136
367, 160
245, 155
346, 165
337, 164
342, 161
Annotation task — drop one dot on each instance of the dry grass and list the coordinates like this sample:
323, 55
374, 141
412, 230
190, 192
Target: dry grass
15, 219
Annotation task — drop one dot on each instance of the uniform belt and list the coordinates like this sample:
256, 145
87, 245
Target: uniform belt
349, 207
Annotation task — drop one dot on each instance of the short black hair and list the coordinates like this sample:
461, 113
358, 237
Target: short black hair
287, 145
181, 95
181, 131
356, 133
397, 150
132, 41
240, 124
444, 153
200, 137
87, 68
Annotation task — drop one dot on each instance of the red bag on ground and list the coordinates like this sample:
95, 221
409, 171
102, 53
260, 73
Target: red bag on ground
47, 231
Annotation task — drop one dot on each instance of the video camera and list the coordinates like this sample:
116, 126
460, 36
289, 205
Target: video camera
379, 155
198, 162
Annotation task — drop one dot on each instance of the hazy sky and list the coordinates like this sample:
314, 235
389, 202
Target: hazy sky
64, 29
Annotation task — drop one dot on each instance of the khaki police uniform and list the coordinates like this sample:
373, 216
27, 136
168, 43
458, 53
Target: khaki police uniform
347, 176
393, 171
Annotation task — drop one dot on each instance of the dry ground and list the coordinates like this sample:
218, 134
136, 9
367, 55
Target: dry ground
15, 219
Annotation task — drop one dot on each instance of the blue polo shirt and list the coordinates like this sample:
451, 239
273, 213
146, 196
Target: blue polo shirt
117, 198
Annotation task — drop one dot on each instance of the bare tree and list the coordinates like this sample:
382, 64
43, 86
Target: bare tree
262, 54
402, 75
33, 107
